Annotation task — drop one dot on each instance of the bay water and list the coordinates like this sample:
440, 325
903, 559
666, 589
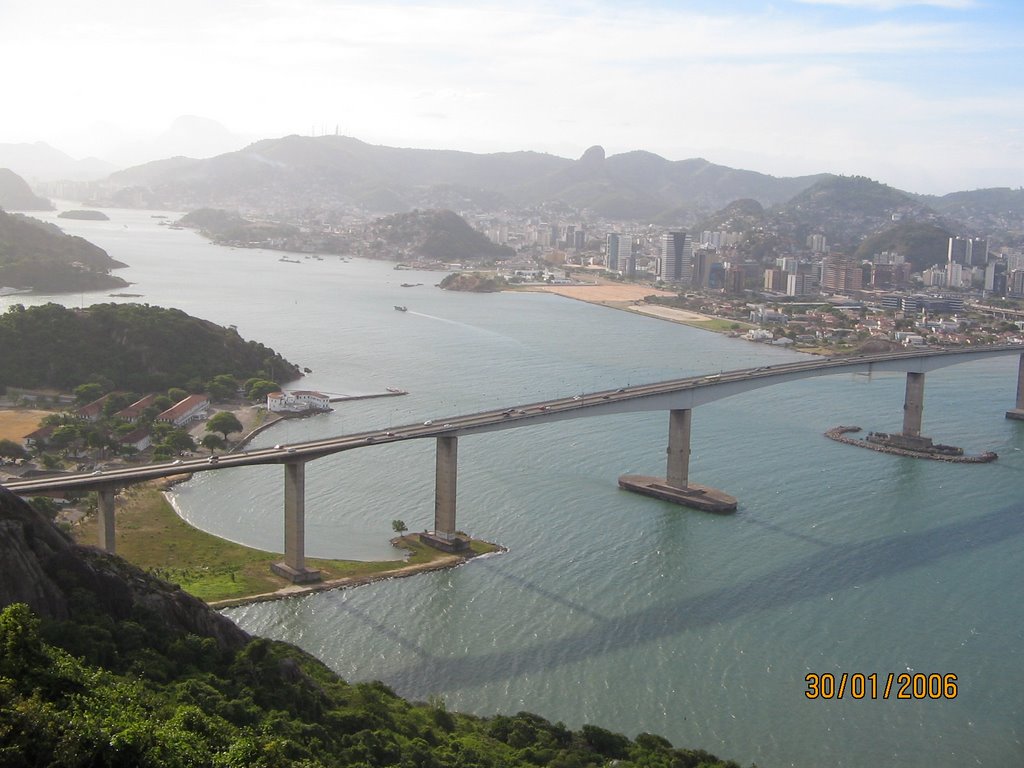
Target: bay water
611, 608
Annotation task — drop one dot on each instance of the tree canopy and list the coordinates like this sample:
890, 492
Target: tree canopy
136, 347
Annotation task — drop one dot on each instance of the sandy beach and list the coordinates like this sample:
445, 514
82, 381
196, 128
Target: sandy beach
629, 296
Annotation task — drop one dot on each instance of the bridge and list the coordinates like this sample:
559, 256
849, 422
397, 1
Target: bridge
678, 396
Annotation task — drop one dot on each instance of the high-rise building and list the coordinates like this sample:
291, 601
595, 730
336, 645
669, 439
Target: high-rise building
703, 261
774, 280
967, 251
676, 264
817, 243
841, 275
619, 252
992, 271
799, 285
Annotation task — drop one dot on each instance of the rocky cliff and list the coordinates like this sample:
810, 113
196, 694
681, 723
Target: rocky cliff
41, 567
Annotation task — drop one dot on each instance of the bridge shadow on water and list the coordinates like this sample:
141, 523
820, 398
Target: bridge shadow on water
832, 568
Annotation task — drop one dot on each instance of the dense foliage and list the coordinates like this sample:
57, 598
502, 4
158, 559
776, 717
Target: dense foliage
228, 227
922, 244
435, 234
135, 347
114, 667
473, 283
37, 255
95, 691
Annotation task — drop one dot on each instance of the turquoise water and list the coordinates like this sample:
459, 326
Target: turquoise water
608, 607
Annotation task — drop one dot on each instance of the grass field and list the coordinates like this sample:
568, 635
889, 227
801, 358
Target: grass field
15, 424
150, 534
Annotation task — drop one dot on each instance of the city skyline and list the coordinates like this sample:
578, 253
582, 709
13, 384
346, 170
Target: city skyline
924, 96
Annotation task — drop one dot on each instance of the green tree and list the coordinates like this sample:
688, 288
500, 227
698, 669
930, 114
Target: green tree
178, 440
12, 450
86, 393
212, 443
177, 394
258, 389
224, 422
399, 526
222, 387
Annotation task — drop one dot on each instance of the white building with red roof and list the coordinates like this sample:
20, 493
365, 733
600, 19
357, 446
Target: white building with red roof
192, 408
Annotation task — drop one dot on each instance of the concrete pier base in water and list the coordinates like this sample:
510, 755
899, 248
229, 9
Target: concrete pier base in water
700, 497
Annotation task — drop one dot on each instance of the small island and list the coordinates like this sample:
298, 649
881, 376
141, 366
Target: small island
84, 215
473, 282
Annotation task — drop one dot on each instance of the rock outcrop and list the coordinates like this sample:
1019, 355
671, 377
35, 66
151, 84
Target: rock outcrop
41, 567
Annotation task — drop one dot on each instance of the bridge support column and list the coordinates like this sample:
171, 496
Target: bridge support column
913, 404
676, 486
1018, 412
445, 482
105, 509
294, 566
677, 472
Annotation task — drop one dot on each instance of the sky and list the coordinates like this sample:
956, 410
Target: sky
925, 96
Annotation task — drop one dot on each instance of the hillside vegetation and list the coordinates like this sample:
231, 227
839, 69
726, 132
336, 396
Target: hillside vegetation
136, 347
102, 664
437, 235
16, 195
37, 255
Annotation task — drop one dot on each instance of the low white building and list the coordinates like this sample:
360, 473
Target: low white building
192, 408
299, 400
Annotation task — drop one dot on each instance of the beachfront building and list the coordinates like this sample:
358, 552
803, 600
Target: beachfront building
192, 408
299, 400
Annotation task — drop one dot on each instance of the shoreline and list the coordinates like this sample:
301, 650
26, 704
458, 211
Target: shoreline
345, 582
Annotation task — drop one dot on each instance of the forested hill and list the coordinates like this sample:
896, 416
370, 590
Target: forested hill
105, 665
136, 347
37, 255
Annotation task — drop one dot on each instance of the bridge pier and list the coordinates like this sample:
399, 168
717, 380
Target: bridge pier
446, 475
913, 404
1018, 412
293, 567
676, 486
105, 509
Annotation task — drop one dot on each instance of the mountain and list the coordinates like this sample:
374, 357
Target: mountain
642, 185
15, 194
41, 162
997, 212
104, 664
298, 171
136, 347
848, 208
37, 255
923, 244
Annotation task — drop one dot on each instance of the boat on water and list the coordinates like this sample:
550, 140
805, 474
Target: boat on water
290, 261
401, 308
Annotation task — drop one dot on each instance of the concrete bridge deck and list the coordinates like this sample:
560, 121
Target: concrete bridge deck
678, 396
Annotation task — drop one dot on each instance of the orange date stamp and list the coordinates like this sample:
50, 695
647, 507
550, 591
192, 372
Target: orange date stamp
915, 686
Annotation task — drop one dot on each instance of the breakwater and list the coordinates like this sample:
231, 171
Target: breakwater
839, 434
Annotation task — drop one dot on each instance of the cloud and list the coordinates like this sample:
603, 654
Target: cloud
551, 77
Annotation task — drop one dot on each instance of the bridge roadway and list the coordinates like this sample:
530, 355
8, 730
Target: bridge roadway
678, 396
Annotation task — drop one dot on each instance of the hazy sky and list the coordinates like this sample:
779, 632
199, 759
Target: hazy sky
926, 96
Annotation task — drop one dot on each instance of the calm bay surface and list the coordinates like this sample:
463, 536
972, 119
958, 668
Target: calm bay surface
611, 608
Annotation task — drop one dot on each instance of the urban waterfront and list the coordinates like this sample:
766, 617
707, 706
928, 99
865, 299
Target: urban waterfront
611, 608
